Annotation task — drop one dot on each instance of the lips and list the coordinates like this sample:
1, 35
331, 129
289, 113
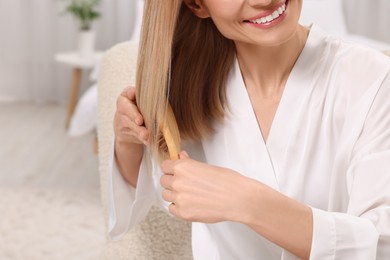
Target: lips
269, 16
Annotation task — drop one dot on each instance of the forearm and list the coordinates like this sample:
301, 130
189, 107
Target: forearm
280, 219
128, 158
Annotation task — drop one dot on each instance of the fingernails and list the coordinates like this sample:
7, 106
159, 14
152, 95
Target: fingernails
183, 154
143, 139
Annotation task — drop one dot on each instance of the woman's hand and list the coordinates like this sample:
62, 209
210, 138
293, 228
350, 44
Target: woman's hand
200, 192
128, 121
130, 135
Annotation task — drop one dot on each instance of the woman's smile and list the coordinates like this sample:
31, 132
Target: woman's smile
269, 18
260, 22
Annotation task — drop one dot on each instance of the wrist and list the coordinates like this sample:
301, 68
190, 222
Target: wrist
125, 143
128, 158
263, 203
250, 200
282, 220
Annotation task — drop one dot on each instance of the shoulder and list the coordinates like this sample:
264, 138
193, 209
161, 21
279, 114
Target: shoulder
348, 68
352, 58
361, 61
359, 68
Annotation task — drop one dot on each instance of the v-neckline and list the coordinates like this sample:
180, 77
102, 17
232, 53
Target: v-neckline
275, 121
298, 86
281, 107
296, 89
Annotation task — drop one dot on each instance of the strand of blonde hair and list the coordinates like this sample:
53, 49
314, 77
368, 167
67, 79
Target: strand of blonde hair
154, 64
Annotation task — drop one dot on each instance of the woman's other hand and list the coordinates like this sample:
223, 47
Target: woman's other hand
130, 135
200, 192
128, 121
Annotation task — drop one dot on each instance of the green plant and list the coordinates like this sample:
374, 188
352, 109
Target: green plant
85, 11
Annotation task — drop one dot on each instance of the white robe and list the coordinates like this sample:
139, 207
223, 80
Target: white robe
329, 147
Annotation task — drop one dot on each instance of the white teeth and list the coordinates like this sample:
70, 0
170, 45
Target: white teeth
271, 17
275, 14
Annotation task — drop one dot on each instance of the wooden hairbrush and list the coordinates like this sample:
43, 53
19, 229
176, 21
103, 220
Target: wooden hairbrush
169, 141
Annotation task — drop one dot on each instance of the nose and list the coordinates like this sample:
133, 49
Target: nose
259, 3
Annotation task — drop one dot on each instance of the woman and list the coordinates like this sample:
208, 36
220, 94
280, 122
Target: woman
286, 129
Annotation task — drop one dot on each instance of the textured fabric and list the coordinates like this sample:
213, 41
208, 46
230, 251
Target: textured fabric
158, 236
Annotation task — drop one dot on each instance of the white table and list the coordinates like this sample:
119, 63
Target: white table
78, 63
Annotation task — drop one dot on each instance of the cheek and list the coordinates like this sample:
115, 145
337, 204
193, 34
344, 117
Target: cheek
228, 30
228, 10
225, 15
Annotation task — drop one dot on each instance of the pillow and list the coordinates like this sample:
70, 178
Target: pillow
84, 119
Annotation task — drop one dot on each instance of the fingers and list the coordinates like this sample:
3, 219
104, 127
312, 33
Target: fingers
171, 184
143, 135
167, 167
128, 121
168, 195
173, 209
175, 166
171, 169
123, 124
184, 155
130, 93
129, 108
166, 181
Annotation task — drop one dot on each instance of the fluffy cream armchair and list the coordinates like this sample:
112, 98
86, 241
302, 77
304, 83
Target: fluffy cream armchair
158, 236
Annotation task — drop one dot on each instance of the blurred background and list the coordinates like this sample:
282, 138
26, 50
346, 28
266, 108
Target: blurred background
50, 203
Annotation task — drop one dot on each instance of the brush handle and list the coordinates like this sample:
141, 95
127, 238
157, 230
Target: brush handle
171, 133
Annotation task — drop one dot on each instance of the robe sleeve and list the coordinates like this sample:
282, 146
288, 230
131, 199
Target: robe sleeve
363, 231
128, 206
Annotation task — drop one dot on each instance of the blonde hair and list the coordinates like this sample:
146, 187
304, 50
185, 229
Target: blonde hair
184, 61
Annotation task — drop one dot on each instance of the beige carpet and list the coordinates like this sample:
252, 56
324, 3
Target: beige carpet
40, 224
50, 205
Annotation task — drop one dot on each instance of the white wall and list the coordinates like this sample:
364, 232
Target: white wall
32, 31
369, 17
